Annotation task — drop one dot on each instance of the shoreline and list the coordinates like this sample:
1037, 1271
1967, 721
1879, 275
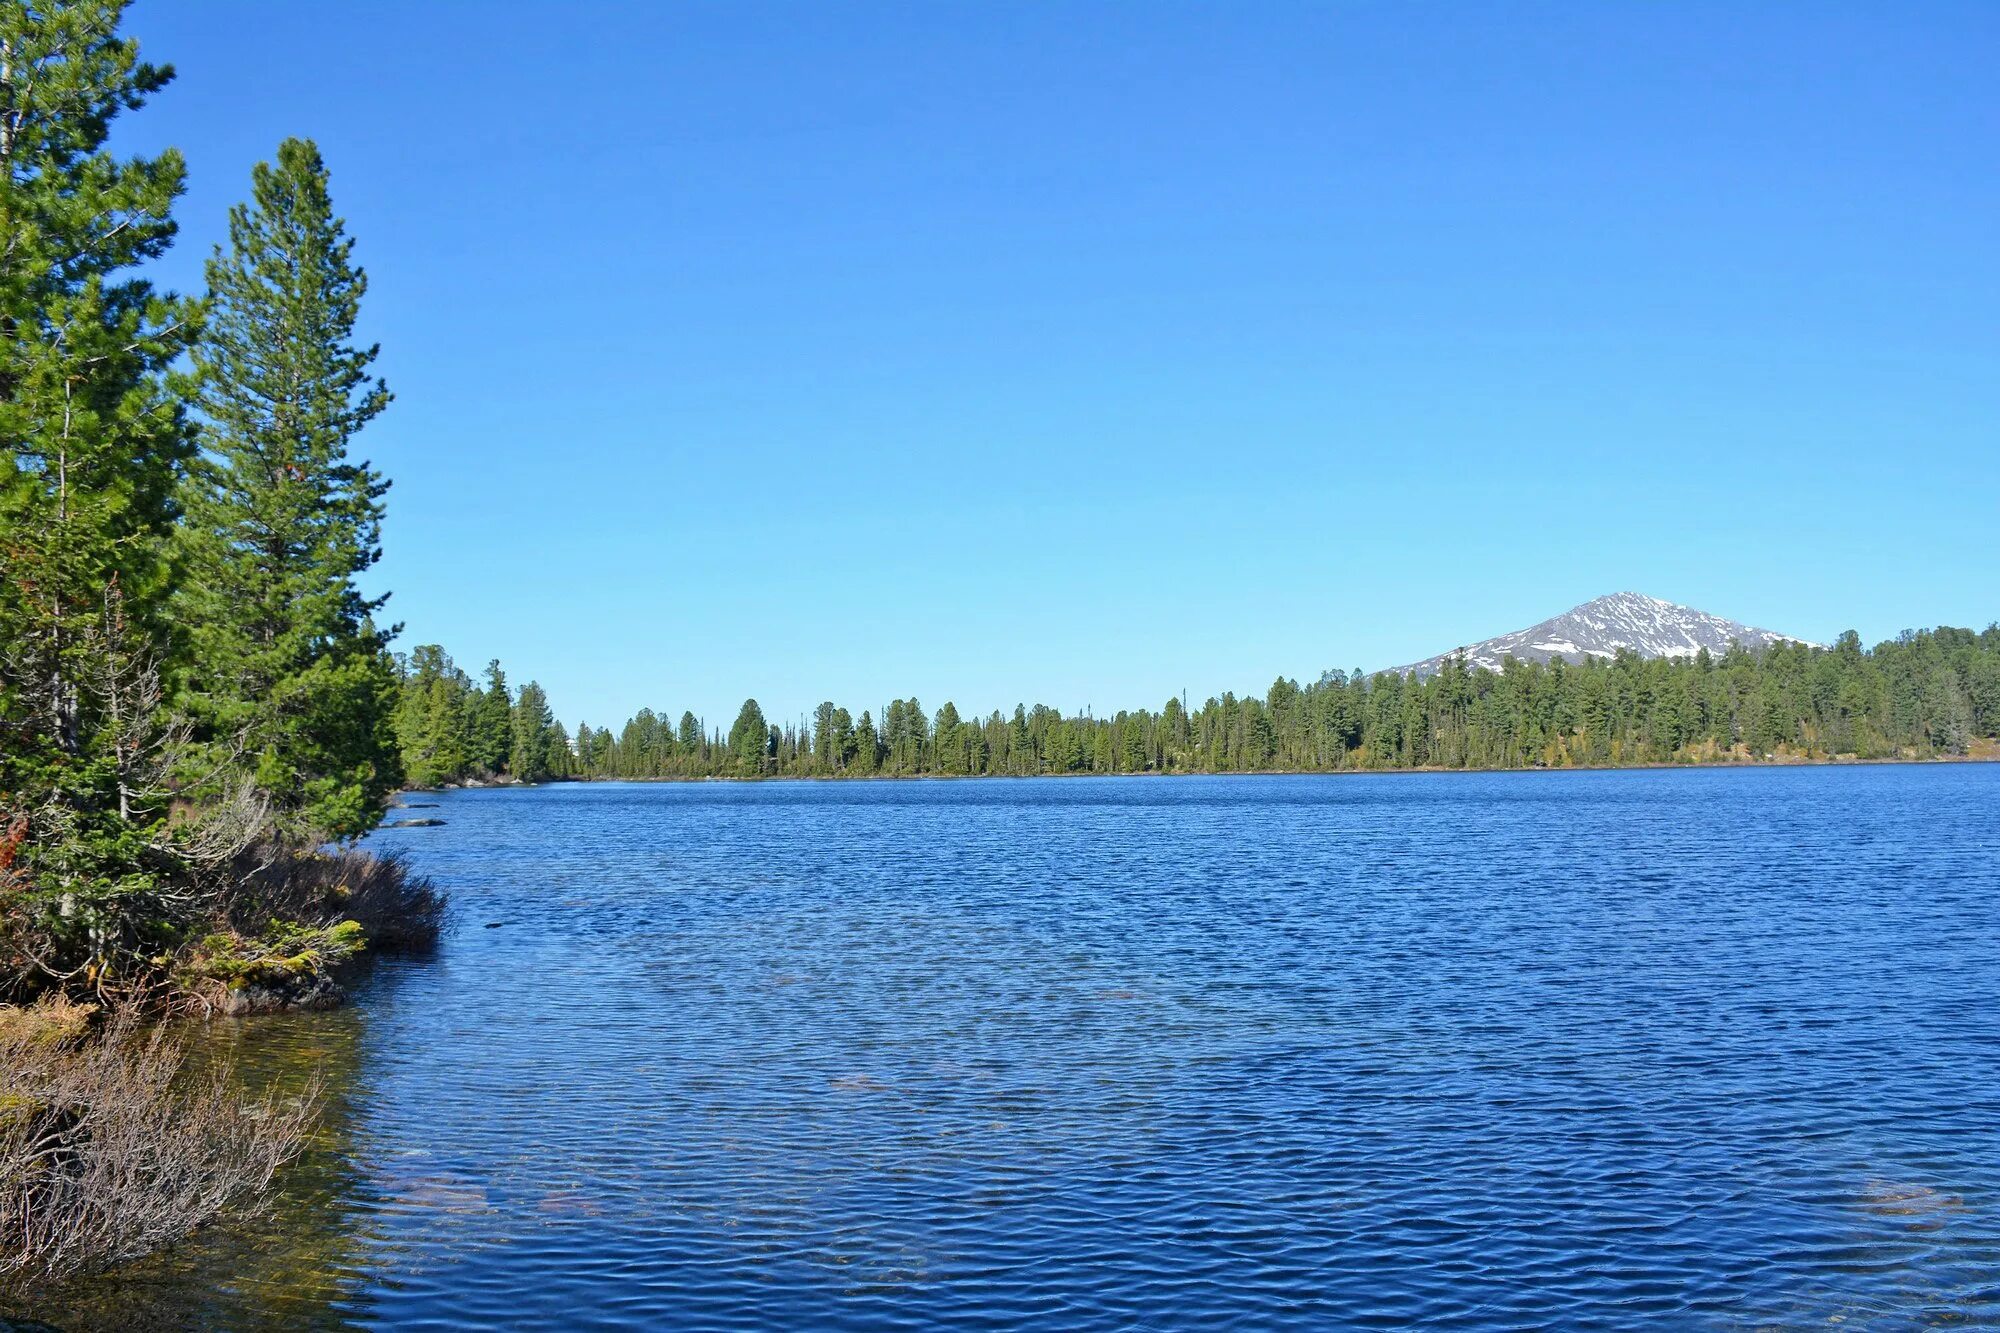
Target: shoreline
1991, 757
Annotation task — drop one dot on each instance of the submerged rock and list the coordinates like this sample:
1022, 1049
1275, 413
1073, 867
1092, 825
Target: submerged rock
445, 1193
276, 994
414, 823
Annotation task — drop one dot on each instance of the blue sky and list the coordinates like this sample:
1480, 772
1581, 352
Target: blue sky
1085, 354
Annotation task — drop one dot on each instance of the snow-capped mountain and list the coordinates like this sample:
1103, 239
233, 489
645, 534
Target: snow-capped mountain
1599, 628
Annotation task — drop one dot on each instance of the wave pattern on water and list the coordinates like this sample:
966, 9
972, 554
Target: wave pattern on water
1620, 1049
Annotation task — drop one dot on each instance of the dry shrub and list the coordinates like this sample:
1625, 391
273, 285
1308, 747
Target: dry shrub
109, 1151
285, 921
398, 912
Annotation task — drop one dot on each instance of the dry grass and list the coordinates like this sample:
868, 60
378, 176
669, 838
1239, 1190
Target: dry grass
107, 1151
52, 1021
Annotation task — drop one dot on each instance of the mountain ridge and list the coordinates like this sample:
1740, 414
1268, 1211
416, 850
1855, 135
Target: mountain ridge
1601, 627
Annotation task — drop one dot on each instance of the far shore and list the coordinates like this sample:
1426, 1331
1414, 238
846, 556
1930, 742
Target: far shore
1986, 753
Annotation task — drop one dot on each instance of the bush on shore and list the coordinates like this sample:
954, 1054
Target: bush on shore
108, 1149
397, 912
287, 919
109, 1146
258, 924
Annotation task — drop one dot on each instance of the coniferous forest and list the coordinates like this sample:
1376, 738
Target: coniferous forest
197, 701
1923, 695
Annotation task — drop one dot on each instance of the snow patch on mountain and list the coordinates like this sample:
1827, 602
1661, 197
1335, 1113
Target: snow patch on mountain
1600, 628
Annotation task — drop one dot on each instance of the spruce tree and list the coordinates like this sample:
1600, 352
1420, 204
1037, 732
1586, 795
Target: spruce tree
288, 680
95, 438
562, 759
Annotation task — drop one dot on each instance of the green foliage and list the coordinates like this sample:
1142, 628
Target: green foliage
435, 718
180, 628
286, 676
1927, 694
449, 730
95, 435
492, 719
749, 740
535, 753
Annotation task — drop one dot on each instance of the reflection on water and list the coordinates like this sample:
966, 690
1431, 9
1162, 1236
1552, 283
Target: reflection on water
1711, 1048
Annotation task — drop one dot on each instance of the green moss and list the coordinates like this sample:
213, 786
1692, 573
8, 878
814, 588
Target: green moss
286, 951
19, 1108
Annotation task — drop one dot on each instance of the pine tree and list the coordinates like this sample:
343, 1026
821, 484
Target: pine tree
750, 739
562, 758
432, 730
531, 756
493, 722
95, 437
287, 676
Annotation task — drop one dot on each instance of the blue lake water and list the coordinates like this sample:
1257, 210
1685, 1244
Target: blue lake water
1709, 1048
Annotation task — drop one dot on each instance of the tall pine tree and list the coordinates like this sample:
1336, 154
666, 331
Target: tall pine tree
750, 739
94, 439
531, 756
288, 678
492, 722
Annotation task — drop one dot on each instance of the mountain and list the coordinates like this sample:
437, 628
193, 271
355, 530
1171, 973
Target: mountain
1599, 628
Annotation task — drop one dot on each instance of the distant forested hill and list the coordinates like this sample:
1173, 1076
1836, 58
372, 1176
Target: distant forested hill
1925, 694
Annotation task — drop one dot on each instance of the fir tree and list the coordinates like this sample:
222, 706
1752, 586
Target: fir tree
493, 722
432, 718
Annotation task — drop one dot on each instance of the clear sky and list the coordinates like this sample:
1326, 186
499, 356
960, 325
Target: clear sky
1086, 353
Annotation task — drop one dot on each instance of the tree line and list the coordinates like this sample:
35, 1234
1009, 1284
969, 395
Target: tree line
1924, 694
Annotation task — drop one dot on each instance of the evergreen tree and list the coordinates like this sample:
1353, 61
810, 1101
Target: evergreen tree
750, 739
432, 718
831, 733
867, 745
493, 722
95, 437
562, 757
531, 756
286, 667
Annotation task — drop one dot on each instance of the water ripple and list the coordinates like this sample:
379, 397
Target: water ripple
1710, 1049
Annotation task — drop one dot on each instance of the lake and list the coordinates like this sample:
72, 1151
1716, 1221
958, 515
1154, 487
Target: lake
1711, 1048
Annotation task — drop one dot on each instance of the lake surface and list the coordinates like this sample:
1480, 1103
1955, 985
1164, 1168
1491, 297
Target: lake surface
1712, 1048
